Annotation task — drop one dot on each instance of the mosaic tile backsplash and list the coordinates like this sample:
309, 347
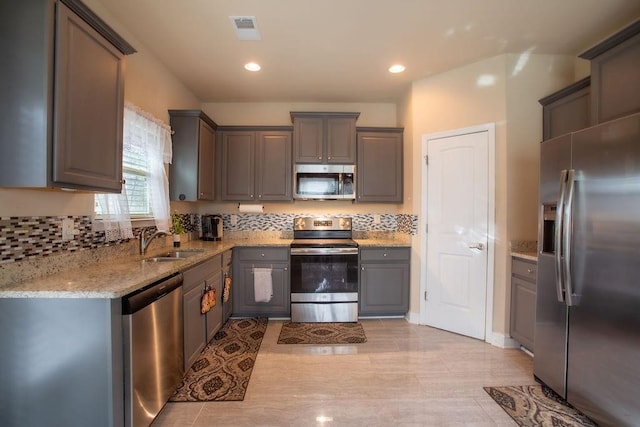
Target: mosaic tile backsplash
28, 238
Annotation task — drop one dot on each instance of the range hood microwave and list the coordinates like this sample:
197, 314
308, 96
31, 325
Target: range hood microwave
324, 182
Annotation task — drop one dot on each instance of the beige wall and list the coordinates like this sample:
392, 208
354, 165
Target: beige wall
148, 85
508, 98
277, 113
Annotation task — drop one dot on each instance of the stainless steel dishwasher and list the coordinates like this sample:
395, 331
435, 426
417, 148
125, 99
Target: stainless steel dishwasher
153, 348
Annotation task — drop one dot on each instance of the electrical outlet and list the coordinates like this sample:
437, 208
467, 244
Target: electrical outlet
68, 231
376, 218
234, 220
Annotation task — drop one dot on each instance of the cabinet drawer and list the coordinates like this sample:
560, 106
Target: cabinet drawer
384, 254
525, 269
199, 273
263, 254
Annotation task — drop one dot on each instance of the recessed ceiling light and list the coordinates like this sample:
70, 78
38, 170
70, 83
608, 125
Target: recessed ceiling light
252, 66
397, 68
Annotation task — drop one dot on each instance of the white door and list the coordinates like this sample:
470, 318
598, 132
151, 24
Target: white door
457, 232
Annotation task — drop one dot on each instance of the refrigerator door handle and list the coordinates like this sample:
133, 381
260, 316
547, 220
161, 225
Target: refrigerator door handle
567, 229
560, 220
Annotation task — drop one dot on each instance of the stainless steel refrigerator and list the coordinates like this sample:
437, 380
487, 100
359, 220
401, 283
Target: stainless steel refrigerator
587, 336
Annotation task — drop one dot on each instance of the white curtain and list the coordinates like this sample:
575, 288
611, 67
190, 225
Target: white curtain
142, 133
144, 130
115, 220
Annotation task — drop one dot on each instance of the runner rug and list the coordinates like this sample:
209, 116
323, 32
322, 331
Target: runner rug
321, 333
535, 405
223, 370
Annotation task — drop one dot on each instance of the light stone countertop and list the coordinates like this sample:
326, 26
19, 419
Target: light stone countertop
528, 255
114, 279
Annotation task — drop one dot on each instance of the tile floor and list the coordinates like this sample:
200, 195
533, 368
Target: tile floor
404, 375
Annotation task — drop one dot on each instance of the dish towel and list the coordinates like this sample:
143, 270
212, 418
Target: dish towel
262, 284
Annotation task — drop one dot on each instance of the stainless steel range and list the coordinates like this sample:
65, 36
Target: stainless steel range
324, 271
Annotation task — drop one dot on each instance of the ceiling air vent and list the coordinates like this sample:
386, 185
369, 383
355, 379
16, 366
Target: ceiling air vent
246, 27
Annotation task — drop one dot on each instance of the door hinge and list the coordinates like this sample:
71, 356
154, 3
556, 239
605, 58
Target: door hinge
425, 295
426, 160
426, 228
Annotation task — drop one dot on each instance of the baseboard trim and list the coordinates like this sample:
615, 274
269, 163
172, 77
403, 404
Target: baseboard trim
502, 340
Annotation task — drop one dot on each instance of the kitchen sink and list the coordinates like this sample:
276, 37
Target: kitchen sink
173, 255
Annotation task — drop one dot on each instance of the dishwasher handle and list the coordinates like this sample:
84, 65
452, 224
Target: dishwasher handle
145, 296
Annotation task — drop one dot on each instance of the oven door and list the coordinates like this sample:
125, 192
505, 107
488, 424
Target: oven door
318, 272
324, 284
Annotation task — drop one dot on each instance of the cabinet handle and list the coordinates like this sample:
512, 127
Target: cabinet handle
319, 157
529, 270
261, 255
362, 268
328, 157
286, 269
384, 254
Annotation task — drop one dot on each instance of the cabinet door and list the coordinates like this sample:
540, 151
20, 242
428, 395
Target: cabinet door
274, 169
379, 177
206, 162
384, 289
238, 165
88, 108
615, 82
214, 316
244, 303
194, 326
523, 311
341, 140
308, 139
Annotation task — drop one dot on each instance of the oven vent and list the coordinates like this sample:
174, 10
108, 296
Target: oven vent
246, 27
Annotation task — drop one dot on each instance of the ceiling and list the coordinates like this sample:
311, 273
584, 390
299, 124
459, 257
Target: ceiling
340, 50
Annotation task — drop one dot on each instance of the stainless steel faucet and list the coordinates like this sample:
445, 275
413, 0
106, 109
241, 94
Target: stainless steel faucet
144, 241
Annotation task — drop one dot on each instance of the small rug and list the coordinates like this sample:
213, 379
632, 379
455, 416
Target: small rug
535, 405
223, 370
321, 333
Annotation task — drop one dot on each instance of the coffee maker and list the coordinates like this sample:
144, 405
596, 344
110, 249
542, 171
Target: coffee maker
212, 227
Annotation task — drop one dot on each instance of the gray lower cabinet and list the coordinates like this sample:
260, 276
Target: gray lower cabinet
62, 362
192, 171
256, 164
379, 166
384, 281
245, 260
200, 328
63, 98
523, 301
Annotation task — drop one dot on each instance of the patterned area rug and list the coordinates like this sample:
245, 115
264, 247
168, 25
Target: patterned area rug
223, 370
535, 405
321, 333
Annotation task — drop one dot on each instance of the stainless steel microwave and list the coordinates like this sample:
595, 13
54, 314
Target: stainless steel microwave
324, 182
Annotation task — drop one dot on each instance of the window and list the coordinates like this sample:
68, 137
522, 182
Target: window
146, 150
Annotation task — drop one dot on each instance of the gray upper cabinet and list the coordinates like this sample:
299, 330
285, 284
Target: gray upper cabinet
192, 171
256, 164
615, 75
324, 137
62, 106
566, 110
379, 168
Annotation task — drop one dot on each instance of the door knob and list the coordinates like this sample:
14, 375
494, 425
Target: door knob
479, 246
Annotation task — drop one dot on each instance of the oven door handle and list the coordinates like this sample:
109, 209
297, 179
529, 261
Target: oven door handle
324, 251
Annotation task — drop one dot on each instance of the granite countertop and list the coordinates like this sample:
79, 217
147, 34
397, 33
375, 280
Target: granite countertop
114, 279
528, 255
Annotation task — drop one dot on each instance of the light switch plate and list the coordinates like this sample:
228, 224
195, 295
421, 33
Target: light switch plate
67, 229
376, 218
